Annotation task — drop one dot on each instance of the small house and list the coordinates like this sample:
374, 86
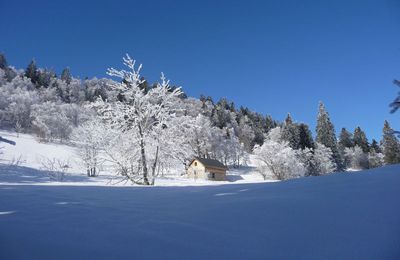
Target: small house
207, 169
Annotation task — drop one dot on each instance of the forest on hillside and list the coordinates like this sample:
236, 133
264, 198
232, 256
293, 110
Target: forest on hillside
141, 127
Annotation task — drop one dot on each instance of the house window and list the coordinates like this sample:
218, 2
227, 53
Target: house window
212, 175
195, 163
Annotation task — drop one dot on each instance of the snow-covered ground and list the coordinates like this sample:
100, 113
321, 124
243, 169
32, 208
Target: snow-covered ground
340, 216
32, 155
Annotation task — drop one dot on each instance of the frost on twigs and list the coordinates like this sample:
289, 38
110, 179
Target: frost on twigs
145, 123
56, 169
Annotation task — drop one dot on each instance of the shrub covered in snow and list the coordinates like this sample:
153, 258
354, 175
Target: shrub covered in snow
277, 158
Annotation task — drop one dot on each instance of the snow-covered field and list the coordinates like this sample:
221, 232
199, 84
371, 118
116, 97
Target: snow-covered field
340, 216
32, 155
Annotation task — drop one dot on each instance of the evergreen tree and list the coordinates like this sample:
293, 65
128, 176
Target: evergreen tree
345, 139
45, 77
9, 73
257, 125
32, 72
360, 139
66, 75
326, 134
305, 137
269, 124
391, 146
345, 143
290, 133
3, 62
375, 146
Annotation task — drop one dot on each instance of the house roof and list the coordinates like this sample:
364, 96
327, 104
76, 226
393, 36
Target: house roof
211, 163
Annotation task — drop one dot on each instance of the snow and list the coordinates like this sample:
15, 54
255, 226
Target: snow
30, 154
339, 216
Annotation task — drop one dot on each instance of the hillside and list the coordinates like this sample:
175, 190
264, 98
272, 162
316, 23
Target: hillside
32, 157
340, 216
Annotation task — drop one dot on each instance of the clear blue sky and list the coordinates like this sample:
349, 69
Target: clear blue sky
272, 56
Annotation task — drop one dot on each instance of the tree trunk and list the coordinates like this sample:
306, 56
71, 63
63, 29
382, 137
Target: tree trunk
144, 162
153, 170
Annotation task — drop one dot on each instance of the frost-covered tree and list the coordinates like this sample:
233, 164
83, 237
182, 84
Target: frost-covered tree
357, 158
326, 134
50, 121
94, 88
390, 144
345, 141
16, 103
277, 158
201, 136
92, 138
269, 124
317, 161
245, 133
375, 159
143, 114
323, 161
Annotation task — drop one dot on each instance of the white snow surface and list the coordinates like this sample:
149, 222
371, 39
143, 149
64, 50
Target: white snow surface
31, 153
338, 216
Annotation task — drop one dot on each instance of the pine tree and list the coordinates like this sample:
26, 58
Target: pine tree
45, 77
375, 146
345, 139
3, 62
269, 124
326, 134
305, 137
360, 139
290, 133
391, 146
32, 72
66, 75
9, 73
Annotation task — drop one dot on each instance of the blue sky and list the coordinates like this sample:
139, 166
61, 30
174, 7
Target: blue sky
274, 57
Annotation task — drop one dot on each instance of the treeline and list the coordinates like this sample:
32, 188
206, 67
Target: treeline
38, 100
27, 96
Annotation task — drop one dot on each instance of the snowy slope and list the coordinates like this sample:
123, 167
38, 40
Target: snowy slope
340, 216
30, 153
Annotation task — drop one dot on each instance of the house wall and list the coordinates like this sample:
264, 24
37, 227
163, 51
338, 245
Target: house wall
199, 171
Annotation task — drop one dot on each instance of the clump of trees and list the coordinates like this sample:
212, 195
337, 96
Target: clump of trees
292, 143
